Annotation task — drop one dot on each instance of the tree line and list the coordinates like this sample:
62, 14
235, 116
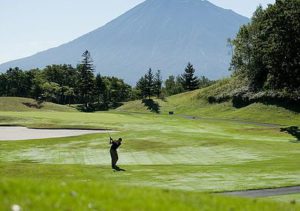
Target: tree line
65, 84
266, 53
151, 84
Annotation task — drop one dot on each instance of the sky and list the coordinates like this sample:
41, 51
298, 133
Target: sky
27, 27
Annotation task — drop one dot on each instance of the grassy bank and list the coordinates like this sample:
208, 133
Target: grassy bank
27, 104
196, 103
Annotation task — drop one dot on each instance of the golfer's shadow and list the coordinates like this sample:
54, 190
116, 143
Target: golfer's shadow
119, 169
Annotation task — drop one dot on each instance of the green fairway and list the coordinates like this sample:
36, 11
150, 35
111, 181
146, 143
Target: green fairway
168, 159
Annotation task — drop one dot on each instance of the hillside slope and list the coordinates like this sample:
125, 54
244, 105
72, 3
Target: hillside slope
196, 103
27, 104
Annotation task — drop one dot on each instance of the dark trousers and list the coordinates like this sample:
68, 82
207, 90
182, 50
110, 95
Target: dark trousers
114, 158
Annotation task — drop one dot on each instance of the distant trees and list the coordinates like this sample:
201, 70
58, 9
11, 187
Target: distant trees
173, 86
3, 84
51, 91
101, 93
85, 86
151, 85
118, 91
65, 84
205, 82
266, 51
157, 84
64, 76
146, 85
141, 87
188, 79
266, 59
149, 88
15, 83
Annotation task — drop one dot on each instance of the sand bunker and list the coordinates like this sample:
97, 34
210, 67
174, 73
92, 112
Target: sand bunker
23, 133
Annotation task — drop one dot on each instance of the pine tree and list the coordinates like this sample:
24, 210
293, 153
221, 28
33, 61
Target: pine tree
86, 79
146, 85
173, 85
188, 80
141, 86
157, 84
100, 90
149, 83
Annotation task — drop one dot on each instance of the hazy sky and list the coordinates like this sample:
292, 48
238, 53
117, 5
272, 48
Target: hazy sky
29, 26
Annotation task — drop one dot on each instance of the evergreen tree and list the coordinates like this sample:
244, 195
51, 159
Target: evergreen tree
178, 88
173, 85
149, 77
100, 90
204, 82
170, 86
141, 86
188, 80
86, 80
3, 85
157, 84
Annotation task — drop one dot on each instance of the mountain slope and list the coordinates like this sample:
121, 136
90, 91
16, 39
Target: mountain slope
162, 34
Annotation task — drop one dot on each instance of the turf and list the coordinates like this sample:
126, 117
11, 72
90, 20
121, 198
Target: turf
66, 194
176, 152
170, 162
291, 198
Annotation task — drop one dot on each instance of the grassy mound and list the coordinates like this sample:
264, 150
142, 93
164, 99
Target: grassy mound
27, 104
196, 103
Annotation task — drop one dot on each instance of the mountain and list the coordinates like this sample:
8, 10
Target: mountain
161, 34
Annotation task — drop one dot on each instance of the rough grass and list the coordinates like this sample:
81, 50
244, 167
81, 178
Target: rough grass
291, 198
195, 103
27, 104
68, 194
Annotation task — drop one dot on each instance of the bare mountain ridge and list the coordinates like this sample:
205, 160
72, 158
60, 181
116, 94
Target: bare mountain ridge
162, 34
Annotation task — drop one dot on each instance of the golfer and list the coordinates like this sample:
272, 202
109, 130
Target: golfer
113, 152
